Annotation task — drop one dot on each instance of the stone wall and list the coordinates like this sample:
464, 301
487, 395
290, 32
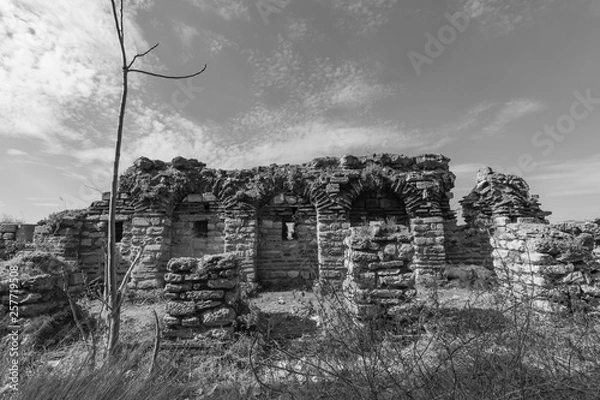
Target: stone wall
13, 237
468, 245
380, 280
203, 295
182, 208
553, 269
198, 224
287, 243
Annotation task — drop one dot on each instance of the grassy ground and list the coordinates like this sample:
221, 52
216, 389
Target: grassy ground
471, 345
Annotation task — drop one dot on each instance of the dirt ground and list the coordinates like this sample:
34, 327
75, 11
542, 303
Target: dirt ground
286, 313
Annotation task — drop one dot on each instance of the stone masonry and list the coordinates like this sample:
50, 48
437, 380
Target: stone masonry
555, 270
203, 295
380, 280
285, 223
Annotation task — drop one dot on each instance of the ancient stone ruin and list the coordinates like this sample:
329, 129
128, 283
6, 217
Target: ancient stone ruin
286, 223
379, 227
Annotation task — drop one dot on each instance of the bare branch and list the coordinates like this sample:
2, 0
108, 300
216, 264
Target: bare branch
123, 287
119, 28
116, 18
141, 55
156, 343
168, 76
122, 26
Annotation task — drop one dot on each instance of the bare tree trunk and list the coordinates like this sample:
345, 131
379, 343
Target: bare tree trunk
114, 320
113, 293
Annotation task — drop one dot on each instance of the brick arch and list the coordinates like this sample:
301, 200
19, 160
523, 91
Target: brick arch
385, 181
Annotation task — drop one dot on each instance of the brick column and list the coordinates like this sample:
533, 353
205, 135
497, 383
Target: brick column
332, 227
241, 238
430, 255
153, 230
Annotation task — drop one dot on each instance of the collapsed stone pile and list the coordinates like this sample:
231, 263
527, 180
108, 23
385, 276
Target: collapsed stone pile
380, 280
554, 268
500, 195
580, 227
203, 295
36, 283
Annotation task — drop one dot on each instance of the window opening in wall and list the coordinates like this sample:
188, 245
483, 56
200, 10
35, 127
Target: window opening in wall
288, 228
206, 207
200, 229
118, 231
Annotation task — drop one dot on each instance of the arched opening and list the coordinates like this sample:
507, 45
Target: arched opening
287, 243
378, 205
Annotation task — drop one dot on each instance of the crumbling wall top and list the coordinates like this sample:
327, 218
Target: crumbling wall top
500, 195
157, 182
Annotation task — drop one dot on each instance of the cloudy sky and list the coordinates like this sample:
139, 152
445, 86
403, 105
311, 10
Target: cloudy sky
513, 84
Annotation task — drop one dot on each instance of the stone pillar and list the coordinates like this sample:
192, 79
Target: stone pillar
430, 254
241, 238
154, 232
8, 232
203, 296
380, 280
332, 227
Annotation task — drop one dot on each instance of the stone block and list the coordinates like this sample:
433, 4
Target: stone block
171, 321
140, 221
190, 322
221, 316
9, 228
406, 280
364, 257
174, 278
180, 308
537, 258
178, 287
204, 294
386, 265
206, 304
182, 264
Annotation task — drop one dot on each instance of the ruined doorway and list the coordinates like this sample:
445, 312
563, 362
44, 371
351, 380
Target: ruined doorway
287, 243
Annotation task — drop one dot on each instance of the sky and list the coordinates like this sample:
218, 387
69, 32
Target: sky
510, 84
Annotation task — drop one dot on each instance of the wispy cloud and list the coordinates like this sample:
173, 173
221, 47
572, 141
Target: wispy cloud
502, 16
510, 112
16, 152
226, 9
574, 178
58, 63
361, 17
186, 33
46, 204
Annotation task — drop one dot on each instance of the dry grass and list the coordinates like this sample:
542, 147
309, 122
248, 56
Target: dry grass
478, 351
